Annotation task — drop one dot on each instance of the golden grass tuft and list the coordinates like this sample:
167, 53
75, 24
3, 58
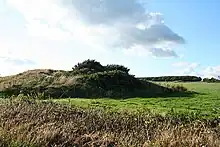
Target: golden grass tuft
50, 124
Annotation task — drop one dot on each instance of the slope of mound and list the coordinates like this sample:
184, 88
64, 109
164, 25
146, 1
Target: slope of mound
87, 79
32, 78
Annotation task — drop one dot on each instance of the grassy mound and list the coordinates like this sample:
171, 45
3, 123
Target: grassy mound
87, 79
34, 123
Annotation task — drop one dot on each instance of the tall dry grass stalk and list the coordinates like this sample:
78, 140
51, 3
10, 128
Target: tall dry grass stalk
50, 124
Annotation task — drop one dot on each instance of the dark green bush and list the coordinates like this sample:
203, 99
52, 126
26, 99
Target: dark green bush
88, 66
112, 67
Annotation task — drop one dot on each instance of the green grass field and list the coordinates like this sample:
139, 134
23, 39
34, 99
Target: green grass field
34, 122
205, 102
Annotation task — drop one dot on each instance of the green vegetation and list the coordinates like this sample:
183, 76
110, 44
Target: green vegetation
38, 123
173, 78
211, 80
204, 102
87, 79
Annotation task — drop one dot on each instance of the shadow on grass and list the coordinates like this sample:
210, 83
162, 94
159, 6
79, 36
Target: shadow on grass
148, 90
141, 94
144, 95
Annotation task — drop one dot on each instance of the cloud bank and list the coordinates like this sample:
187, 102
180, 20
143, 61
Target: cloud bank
102, 24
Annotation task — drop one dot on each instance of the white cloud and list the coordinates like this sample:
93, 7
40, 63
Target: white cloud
186, 64
16, 61
212, 71
186, 68
125, 18
196, 69
154, 52
110, 23
14, 65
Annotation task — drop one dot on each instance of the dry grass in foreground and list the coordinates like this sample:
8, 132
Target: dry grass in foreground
49, 124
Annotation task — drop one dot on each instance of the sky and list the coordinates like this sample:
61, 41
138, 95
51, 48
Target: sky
151, 37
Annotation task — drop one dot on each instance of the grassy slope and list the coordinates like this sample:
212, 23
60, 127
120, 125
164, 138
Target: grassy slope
206, 102
38, 77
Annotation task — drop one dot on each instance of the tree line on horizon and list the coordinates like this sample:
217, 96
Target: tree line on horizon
211, 80
180, 79
173, 78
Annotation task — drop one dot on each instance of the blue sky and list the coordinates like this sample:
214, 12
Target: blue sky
155, 38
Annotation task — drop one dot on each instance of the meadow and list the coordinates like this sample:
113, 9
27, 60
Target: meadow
203, 101
180, 120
